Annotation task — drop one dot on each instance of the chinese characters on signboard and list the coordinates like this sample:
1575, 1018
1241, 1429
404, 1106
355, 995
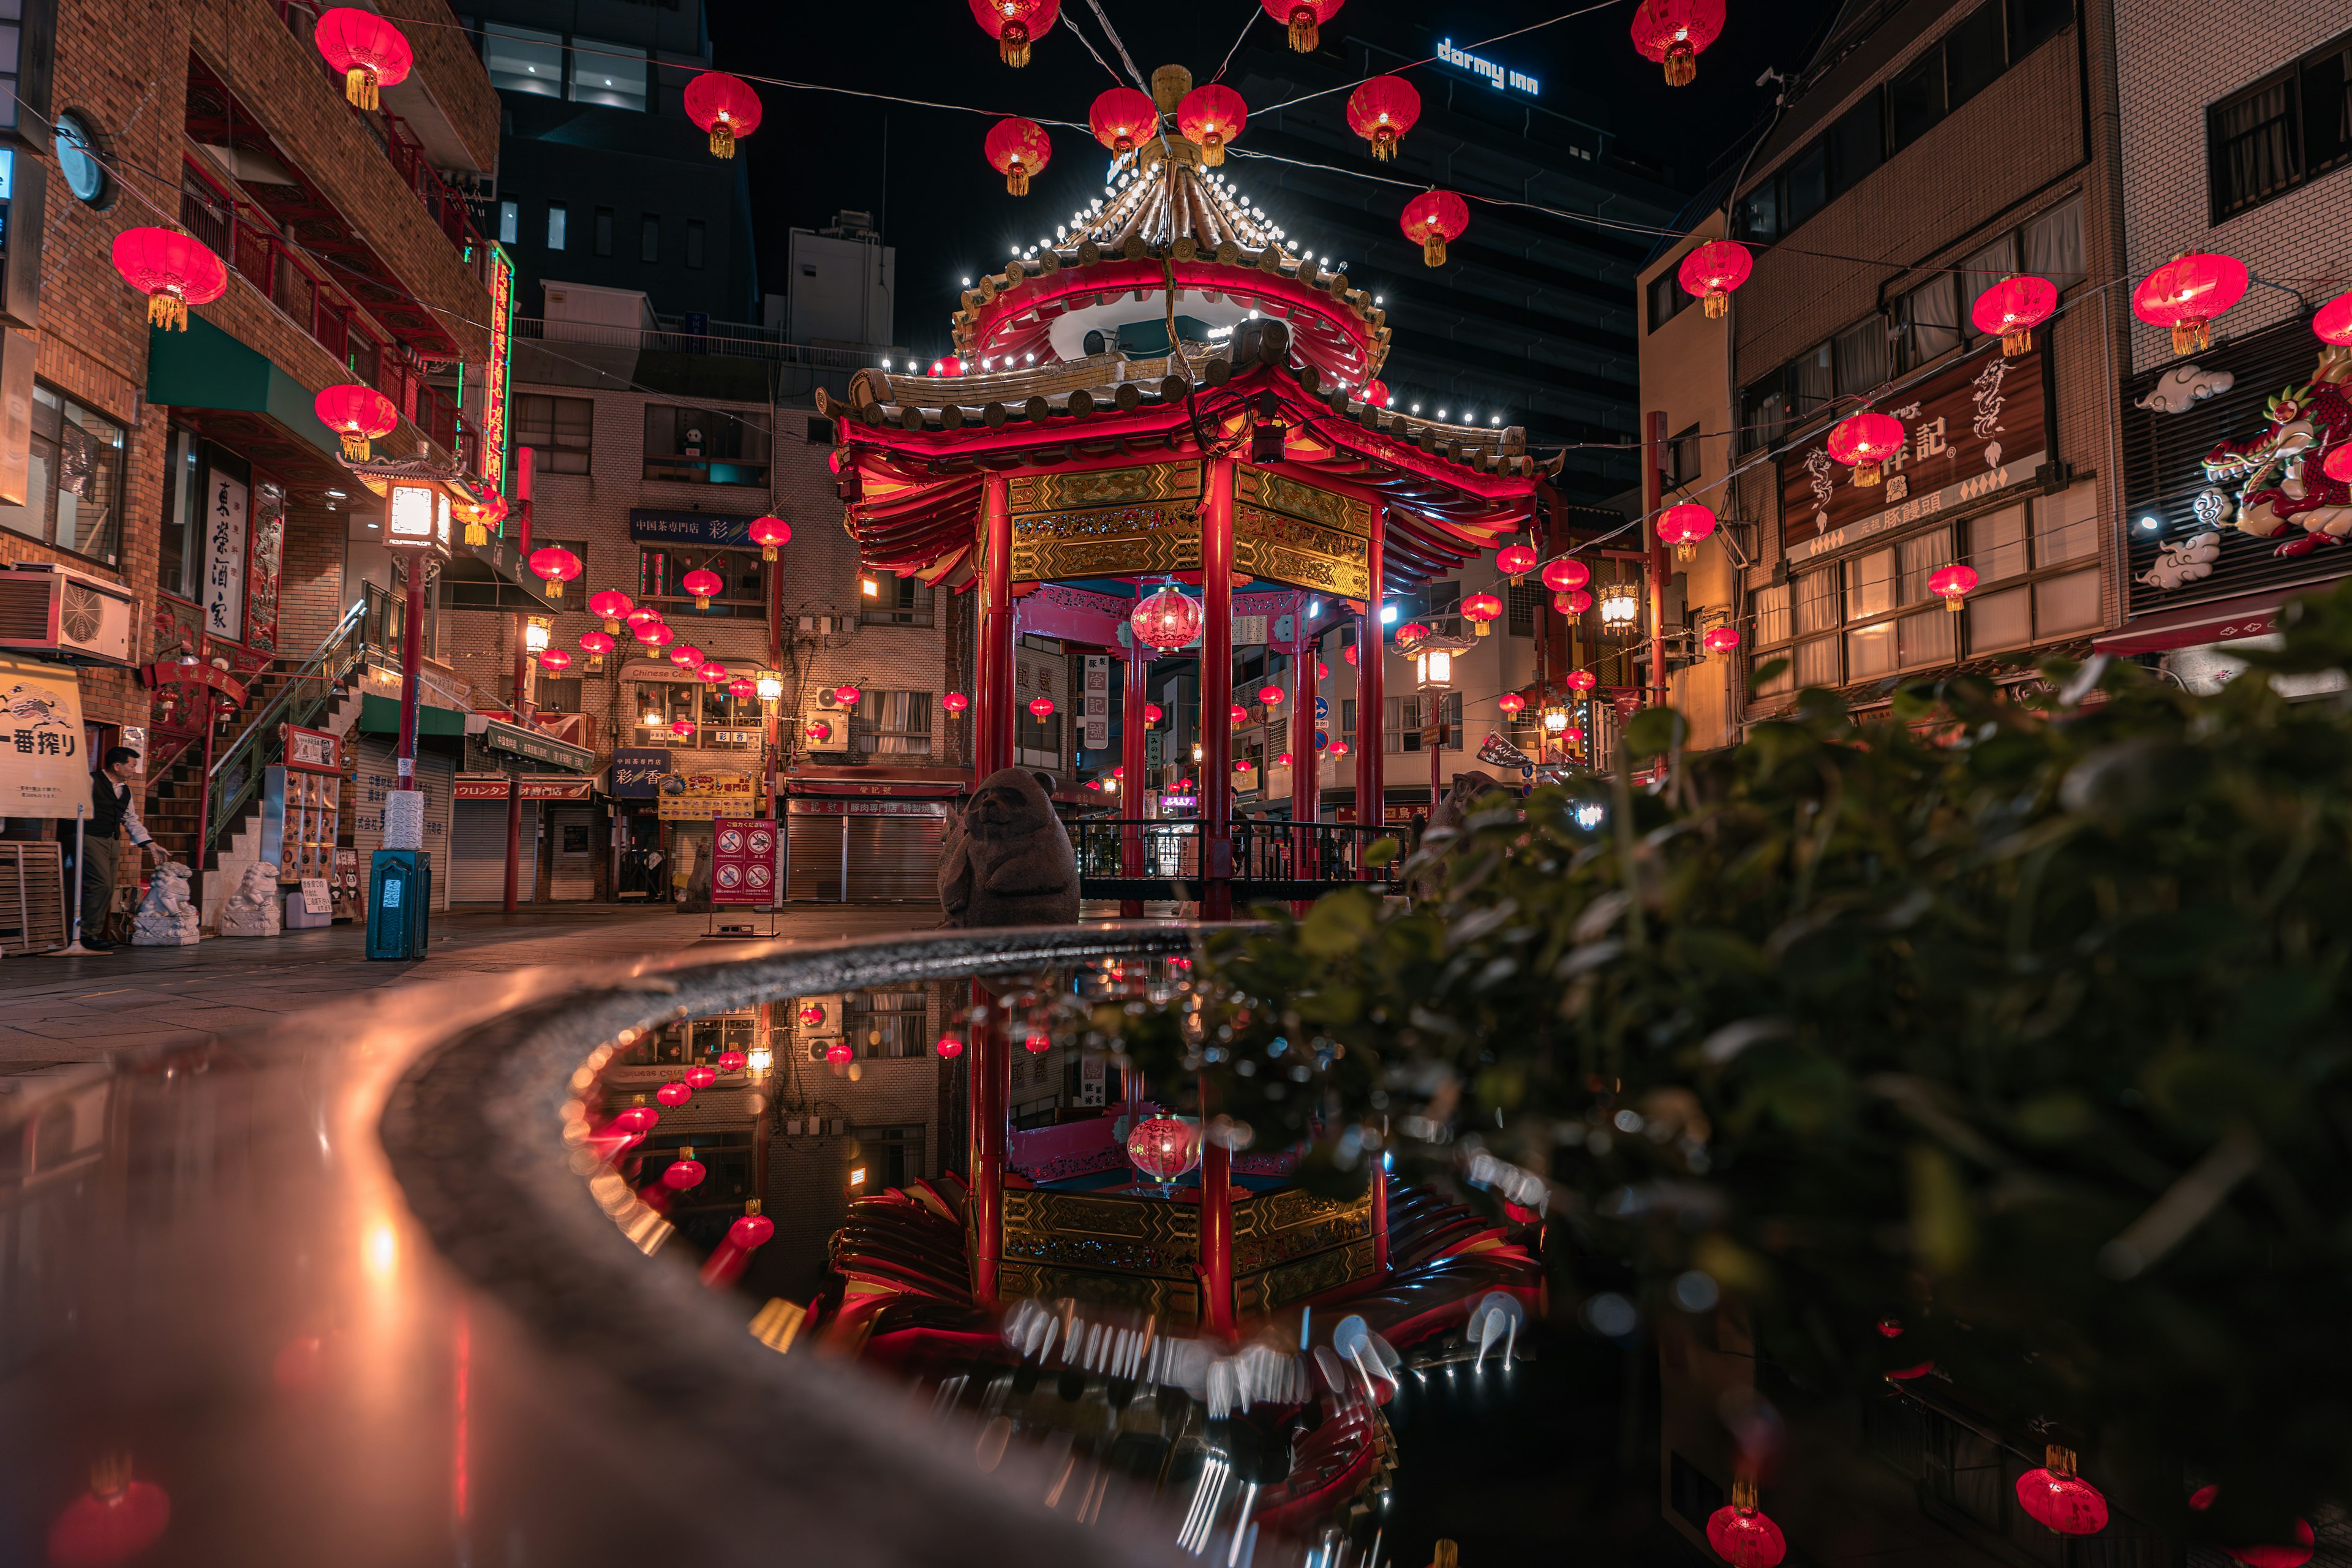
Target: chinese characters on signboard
637, 772
225, 527
1094, 704
495, 383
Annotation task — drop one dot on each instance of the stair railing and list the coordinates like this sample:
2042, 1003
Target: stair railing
237, 773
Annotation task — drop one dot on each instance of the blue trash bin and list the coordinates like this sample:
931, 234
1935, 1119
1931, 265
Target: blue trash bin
400, 903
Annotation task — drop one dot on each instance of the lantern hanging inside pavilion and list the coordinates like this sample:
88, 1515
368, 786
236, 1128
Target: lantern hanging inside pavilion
1672, 32
1381, 110
1566, 572
683, 1171
555, 566
1517, 561
1742, 1534
1305, 19
2060, 1499
2186, 293
1167, 620
555, 659
357, 415
1271, 694
725, 107
1952, 583
2012, 308
1041, 708
768, 532
369, 51
1017, 149
702, 585
1210, 116
1864, 441
1121, 117
1711, 272
175, 271
1431, 218
1481, 610
955, 701
1682, 527
1015, 24
610, 604
1571, 602
1721, 639
1510, 702
1373, 394
685, 655
1163, 1147
2333, 321
595, 645
1580, 680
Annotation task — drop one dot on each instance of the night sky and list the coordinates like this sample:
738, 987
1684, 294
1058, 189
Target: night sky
920, 170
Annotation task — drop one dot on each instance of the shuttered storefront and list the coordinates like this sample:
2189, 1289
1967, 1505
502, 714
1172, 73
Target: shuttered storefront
478, 871
859, 850
374, 770
813, 845
572, 852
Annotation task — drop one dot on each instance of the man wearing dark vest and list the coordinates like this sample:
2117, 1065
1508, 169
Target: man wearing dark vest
112, 809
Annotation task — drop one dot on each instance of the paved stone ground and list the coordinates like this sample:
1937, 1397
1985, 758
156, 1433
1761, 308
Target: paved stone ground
57, 1010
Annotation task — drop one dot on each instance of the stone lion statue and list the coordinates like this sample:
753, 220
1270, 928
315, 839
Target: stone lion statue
1008, 860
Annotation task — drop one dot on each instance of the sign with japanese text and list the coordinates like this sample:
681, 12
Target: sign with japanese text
515, 741
1094, 702
637, 772
313, 751
526, 787
714, 529
846, 805
706, 797
44, 764
225, 531
743, 860
1970, 424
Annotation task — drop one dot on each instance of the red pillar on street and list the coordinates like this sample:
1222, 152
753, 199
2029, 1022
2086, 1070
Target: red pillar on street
1132, 729
1217, 694
412, 665
993, 731
991, 1093
514, 839
1216, 1236
1370, 651
1305, 782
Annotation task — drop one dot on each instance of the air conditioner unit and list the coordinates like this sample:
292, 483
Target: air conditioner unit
825, 730
56, 610
825, 698
828, 1021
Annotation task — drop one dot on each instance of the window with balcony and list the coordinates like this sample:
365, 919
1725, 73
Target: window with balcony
524, 60
705, 446
887, 1024
608, 73
559, 430
895, 601
892, 723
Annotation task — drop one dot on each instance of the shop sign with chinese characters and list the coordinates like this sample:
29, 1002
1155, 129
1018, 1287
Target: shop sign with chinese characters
706, 797
43, 770
1973, 430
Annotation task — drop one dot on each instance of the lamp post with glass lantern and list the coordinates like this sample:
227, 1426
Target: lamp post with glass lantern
1433, 673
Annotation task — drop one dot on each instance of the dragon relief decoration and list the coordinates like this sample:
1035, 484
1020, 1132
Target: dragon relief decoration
2276, 474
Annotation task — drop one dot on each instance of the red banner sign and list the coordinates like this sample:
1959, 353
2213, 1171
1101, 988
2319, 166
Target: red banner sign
743, 860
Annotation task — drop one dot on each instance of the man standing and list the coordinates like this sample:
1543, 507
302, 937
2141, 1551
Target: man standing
111, 809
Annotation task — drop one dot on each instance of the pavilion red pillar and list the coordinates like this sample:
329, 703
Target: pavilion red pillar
1216, 1236
1305, 785
1370, 651
1131, 753
1217, 696
991, 1093
992, 731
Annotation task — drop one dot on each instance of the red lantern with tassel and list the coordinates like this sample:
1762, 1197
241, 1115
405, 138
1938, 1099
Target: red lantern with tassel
1952, 583
1742, 1534
1041, 708
1431, 219
1210, 116
1121, 117
683, 1171
1571, 602
2012, 308
702, 585
1166, 620
175, 271
768, 532
1517, 561
1722, 640
595, 645
2334, 322
1672, 32
1580, 680
685, 655
1863, 441
1015, 24
2186, 293
1305, 19
1381, 110
1511, 702
357, 415
610, 604
1017, 149
2059, 1499
1711, 272
725, 107
555, 566
1566, 572
115, 1520
1481, 610
555, 659
1682, 527
369, 51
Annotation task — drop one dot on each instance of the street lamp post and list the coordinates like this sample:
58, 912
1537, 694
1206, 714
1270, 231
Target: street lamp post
1432, 669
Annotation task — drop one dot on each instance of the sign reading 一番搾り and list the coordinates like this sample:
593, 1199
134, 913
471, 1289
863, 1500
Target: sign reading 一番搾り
43, 769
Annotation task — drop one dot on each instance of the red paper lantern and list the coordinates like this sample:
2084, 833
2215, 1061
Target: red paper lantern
1036, 1042
115, 1520
555, 659
1305, 19
1041, 707
369, 51
1339, 748
2186, 293
846, 696
947, 365
1322, 671
1581, 680
2294, 1556
1270, 695
742, 689
712, 673
724, 105
1952, 583
2334, 322
955, 702
357, 414
1167, 620
595, 645
1153, 713
1518, 559
768, 532
1381, 110
673, 1094
1863, 441
655, 634
1742, 1535
683, 1172
1163, 1147
1431, 219
639, 1119
1480, 610
685, 655
1347, 655
1672, 32
681, 728
1374, 394
2338, 464
612, 605
1566, 572
555, 566
1411, 633
1682, 527
2061, 1500
2013, 308
1210, 116
838, 1052
1015, 24
702, 585
700, 1077
175, 271
1722, 640
1573, 602
1016, 149
948, 1046
478, 514
1711, 272
732, 1061
1510, 702
1237, 715
1572, 736
751, 1232
1121, 117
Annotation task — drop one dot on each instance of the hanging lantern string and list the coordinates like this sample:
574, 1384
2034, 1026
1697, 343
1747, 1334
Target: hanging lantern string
1248, 23
1117, 43
1070, 21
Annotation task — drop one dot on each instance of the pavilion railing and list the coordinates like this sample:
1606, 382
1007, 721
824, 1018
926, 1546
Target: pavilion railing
1125, 857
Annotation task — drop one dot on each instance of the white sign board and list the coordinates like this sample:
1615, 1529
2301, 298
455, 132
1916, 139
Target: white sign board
42, 770
314, 897
1094, 704
225, 525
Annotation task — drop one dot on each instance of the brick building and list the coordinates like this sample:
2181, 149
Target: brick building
184, 472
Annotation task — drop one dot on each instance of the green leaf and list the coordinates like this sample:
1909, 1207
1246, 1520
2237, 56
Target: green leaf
1764, 674
1381, 851
1655, 729
1339, 923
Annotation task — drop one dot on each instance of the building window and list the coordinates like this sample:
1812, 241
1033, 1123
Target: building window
702, 445
1860, 357
649, 237
1666, 297
557, 219
74, 486
694, 241
887, 1024
509, 222
603, 231
559, 428
2053, 244
554, 695
1521, 601
524, 60
175, 567
897, 601
662, 570
608, 73
78, 155
892, 723
1042, 736
2283, 132
1683, 458
1927, 321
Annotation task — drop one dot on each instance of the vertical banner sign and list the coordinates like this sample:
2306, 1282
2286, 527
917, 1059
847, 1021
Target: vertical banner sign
742, 860
494, 383
1095, 702
265, 567
44, 761
224, 519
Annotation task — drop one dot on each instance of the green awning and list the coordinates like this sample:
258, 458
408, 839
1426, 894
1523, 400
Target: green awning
380, 716
204, 367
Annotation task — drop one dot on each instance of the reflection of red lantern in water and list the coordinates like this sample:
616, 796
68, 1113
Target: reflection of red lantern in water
639, 1119
1744, 1536
683, 1171
838, 1052
1163, 1147
2294, 1556
2061, 1500
700, 1077
673, 1094
115, 1520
